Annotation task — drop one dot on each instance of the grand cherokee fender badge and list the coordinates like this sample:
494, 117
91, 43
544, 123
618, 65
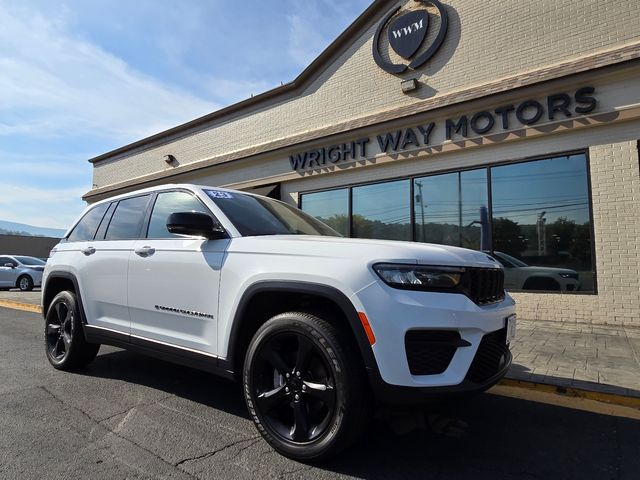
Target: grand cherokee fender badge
407, 34
192, 313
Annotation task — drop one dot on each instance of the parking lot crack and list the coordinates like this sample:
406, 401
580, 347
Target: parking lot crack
60, 400
128, 410
252, 441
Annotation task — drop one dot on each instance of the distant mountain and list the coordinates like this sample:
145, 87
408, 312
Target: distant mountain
13, 228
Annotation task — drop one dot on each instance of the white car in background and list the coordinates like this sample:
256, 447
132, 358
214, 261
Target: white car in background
521, 276
19, 271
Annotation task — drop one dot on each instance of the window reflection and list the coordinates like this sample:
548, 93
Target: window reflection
382, 211
451, 209
475, 228
436, 209
331, 207
541, 219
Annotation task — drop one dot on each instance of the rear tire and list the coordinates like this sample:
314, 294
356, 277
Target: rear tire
25, 283
305, 388
65, 345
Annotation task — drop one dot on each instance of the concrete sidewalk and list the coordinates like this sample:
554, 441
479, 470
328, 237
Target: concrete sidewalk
601, 359
596, 358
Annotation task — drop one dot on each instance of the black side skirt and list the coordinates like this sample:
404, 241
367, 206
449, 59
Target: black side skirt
161, 351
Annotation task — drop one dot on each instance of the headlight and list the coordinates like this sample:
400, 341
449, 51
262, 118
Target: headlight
568, 275
417, 277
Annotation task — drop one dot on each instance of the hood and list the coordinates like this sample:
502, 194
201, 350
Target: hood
370, 251
549, 270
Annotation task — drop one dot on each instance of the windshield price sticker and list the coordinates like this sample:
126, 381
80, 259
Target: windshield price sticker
219, 194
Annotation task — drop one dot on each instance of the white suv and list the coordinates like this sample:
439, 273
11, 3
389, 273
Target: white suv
319, 328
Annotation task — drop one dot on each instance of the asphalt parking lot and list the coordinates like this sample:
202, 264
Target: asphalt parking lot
128, 416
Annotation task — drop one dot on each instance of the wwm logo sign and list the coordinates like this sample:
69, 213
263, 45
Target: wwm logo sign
413, 28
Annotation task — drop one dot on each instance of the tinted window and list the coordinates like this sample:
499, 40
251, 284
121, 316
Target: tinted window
4, 260
452, 209
30, 260
168, 203
127, 219
330, 207
86, 227
102, 229
541, 218
382, 211
436, 209
264, 216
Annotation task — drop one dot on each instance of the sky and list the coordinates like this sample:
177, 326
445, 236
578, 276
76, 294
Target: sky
79, 78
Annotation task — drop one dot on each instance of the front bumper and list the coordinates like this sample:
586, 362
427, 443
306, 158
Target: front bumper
393, 312
389, 394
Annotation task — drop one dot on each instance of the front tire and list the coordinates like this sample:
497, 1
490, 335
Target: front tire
25, 283
65, 345
305, 389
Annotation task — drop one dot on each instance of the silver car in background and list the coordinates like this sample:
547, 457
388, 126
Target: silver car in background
19, 271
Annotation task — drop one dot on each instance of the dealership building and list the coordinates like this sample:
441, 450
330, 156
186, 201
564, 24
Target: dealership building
509, 127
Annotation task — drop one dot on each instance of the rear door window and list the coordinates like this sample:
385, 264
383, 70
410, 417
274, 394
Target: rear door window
85, 229
127, 219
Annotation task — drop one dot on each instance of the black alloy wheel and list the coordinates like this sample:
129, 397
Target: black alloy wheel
65, 345
59, 331
295, 387
304, 386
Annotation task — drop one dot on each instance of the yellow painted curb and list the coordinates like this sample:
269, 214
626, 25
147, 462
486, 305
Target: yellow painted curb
26, 307
611, 398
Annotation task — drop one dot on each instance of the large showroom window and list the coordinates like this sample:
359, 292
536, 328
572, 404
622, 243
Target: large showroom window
542, 223
382, 210
452, 209
330, 207
533, 216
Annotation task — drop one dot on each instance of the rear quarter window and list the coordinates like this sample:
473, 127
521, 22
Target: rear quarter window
86, 228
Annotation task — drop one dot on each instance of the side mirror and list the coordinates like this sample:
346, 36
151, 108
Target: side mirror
196, 224
10, 265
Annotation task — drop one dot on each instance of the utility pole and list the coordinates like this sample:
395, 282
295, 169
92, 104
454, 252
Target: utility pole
542, 231
419, 184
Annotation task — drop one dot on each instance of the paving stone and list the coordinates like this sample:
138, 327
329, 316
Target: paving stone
595, 357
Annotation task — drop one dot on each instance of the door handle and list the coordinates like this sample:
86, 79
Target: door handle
88, 251
144, 251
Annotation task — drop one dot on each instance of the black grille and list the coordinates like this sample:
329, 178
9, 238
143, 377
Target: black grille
490, 357
429, 352
484, 285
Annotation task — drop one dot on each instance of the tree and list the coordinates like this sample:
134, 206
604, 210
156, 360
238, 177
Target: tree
507, 237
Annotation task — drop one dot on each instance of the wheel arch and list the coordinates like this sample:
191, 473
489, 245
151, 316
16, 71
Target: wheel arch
320, 296
56, 283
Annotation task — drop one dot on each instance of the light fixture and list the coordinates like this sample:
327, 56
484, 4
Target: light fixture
409, 85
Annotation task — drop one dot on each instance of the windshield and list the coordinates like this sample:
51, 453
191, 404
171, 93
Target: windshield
263, 216
30, 261
510, 259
